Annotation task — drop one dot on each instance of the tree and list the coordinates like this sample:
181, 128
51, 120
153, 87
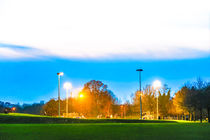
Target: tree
34, 108
164, 101
51, 108
148, 101
96, 99
1, 107
100, 99
195, 99
207, 100
179, 101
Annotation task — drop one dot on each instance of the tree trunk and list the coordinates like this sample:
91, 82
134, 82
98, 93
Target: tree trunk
208, 110
189, 117
201, 116
194, 116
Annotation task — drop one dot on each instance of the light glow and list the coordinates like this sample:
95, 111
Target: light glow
156, 84
13, 108
81, 95
67, 86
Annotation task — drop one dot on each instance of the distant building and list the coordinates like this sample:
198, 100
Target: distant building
42, 102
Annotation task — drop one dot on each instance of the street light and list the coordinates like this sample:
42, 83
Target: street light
59, 75
81, 95
140, 70
67, 86
157, 85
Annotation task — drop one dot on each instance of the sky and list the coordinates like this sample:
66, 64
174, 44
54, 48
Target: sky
100, 40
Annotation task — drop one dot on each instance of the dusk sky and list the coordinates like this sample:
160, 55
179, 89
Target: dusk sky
100, 40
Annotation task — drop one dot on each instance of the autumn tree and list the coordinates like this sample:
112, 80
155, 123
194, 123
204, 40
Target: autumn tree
179, 102
164, 101
148, 101
100, 99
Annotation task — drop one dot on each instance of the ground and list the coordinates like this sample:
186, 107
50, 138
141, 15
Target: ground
106, 131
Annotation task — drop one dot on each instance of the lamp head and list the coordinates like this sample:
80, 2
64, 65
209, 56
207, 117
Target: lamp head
60, 73
139, 70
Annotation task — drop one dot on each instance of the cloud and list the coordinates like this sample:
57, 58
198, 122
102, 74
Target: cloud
106, 29
19, 52
9, 53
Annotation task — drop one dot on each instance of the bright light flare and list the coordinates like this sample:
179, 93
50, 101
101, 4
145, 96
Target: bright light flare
76, 92
81, 95
156, 84
67, 85
13, 108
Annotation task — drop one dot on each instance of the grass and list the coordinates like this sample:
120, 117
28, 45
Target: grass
14, 118
100, 130
105, 131
21, 114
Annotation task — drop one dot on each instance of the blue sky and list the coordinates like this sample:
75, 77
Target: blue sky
34, 80
101, 40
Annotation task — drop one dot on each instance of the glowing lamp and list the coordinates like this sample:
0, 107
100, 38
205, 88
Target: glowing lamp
13, 108
157, 84
67, 86
81, 95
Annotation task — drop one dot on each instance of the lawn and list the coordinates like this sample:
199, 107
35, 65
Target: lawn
111, 130
106, 131
14, 118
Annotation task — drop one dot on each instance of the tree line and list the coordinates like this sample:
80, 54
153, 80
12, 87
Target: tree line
191, 102
35, 108
96, 100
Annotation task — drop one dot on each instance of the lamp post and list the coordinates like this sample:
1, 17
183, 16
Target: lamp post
157, 85
140, 70
59, 75
67, 86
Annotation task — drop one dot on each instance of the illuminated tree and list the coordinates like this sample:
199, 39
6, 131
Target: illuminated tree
164, 101
148, 101
179, 101
100, 99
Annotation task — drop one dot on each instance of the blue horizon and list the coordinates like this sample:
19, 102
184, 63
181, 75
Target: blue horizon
28, 81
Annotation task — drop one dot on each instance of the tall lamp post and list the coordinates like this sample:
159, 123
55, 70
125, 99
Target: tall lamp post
140, 70
67, 86
157, 85
59, 75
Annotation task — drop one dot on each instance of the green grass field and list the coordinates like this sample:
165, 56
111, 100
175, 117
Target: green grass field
104, 131
14, 118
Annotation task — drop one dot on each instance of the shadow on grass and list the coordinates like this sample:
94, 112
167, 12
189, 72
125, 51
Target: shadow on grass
12, 119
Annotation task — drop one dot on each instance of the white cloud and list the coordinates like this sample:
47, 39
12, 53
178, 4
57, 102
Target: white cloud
9, 53
108, 29
18, 52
